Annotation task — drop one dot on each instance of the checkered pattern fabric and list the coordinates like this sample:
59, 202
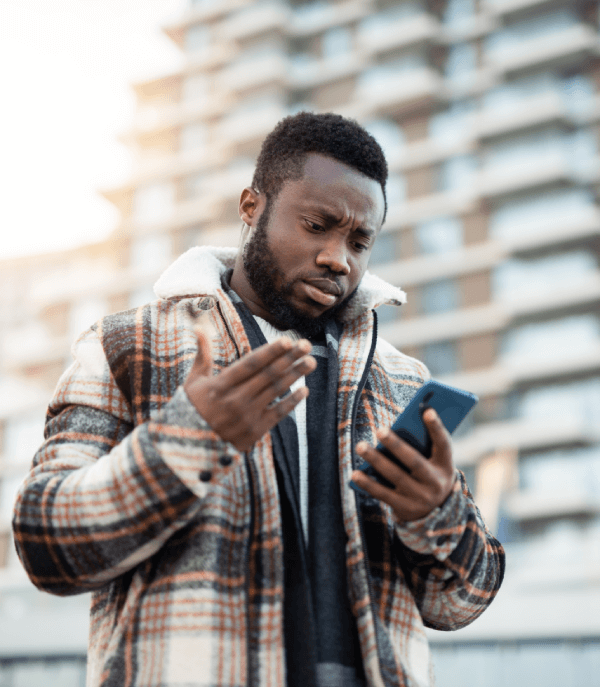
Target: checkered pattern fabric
186, 574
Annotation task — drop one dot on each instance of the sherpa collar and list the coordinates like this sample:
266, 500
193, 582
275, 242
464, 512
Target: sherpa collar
198, 272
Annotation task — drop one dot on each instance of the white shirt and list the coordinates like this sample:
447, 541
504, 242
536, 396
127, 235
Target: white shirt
272, 334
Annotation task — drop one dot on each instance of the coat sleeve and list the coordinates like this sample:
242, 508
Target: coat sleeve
103, 495
451, 562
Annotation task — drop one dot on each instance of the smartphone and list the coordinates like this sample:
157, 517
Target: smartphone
450, 403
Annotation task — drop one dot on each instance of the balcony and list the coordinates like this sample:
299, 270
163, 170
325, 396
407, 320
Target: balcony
254, 20
400, 93
149, 122
535, 112
253, 71
311, 72
494, 317
529, 505
499, 181
432, 205
575, 230
425, 268
201, 11
521, 435
558, 50
250, 123
318, 16
430, 151
398, 33
505, 9
448, 325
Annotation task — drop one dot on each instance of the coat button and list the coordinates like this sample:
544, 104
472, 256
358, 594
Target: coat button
225, 461
205, 475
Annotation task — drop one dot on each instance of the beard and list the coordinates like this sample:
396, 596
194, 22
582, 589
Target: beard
269, 284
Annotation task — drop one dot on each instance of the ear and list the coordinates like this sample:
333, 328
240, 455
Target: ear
251, 205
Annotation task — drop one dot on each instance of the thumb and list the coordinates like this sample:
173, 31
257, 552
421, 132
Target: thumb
203, 364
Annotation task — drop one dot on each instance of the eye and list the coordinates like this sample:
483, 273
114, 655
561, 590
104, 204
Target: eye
315, 226
360, 246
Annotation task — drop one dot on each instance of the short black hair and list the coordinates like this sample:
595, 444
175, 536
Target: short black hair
284, 150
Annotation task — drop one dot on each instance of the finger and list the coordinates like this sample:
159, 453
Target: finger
272, 375
441, 453
403, 482
255, 362
281, 409
203, 363
416, 464
280, 385
405, 506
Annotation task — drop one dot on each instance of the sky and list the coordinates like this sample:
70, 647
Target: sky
66, 69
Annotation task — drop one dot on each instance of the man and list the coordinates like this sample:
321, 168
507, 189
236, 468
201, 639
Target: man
190, 481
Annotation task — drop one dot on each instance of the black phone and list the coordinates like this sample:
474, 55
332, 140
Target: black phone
451, 404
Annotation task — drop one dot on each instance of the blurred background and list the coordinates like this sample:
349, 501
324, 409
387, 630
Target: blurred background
489, 113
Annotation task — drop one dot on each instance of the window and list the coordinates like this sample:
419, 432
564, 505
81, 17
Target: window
195, 87
582, 154
153, 203
514, 95
23, 436
261, 107
441, 357
461, 64
547, 147
151, 253
553, 471
542, 275
453, 124
384, 248
457, 173
141, 296
439, 236
388, 134
193, 137
458, 13
578, 92
439, 296
382, 77
336, 43
8, 493
387, 313
573, 402
197, 37
84, 313
395, 191
302, 65
372, 26
195, 185
502, 42
311, 14
539, 341
536, 212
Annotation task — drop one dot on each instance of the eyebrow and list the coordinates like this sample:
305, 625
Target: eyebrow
330, 218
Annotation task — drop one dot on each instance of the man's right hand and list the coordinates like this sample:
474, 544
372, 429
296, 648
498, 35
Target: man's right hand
238, 402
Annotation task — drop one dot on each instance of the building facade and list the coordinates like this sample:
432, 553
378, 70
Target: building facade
489, 114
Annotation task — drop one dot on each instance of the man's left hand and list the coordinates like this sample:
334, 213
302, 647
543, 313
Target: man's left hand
429, 480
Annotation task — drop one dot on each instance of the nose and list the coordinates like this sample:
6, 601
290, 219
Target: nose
333, 255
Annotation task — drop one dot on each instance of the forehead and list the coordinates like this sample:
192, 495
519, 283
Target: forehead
338, 188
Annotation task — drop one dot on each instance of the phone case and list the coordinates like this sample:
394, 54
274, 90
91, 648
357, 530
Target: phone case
450, 403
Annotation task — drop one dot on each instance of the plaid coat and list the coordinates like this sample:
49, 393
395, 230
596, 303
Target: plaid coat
186, 575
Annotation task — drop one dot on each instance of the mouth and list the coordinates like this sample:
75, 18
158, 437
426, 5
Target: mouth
323, 291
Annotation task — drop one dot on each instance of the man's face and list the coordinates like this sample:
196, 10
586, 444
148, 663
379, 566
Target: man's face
308, 249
